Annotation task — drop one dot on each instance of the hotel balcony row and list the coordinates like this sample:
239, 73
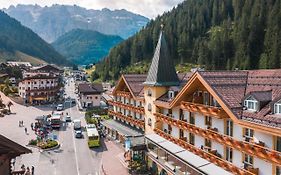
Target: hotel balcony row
130, 119
212, 134
129, 107
209, 156
46, 89
204, 109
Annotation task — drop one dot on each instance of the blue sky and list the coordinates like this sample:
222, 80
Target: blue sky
148, 8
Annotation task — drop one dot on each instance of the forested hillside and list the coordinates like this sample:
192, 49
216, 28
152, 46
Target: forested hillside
15, 39
216, 34
85, 46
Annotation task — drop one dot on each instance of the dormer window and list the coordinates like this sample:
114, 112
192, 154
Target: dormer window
251, 104
149, 93
171, 94
277, 108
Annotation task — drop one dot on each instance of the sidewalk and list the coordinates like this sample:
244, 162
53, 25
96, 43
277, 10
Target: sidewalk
111, 162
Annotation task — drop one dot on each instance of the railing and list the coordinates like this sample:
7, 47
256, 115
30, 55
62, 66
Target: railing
124, 94
247, 147
139, 110
43, 89
204, 109
205, 155
119, 115
20, 172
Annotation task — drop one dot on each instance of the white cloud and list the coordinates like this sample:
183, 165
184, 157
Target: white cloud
149, 8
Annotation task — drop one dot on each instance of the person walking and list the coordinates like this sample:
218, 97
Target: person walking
27, 171
19, 123
31, 125
32, 170
25, 129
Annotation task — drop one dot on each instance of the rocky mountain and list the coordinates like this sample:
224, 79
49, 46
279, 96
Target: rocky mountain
52, 22
20, 43
85, 46
214, 34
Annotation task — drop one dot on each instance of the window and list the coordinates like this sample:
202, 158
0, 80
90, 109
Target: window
149, 107
170, 129
181, 133
248, 134
229, 127
191, 138
228, 154
208, 144
171, 94
251, 104
277, 108
191, 118
208, 121
206, 98
278, 144
149, 93
149, 122
278, 170
248, 159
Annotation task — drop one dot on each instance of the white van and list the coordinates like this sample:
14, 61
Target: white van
76, 124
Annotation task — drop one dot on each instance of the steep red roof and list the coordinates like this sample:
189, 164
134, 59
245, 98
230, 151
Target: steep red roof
88, 88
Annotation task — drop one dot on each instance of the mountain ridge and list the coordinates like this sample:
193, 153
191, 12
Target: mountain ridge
18, 42
85, 46
50, 22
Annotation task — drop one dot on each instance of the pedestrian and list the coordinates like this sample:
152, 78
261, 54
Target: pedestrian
19, 123
22, 167
32, 170
25, 129
31, 126
22, 123
27, 171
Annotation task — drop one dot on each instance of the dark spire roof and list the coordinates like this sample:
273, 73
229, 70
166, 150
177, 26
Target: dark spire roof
162, 71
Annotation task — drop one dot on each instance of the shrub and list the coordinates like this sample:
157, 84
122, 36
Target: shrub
49, 144
33, 142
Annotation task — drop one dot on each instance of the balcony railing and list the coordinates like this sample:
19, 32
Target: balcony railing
243, 146
205, 155
204, 109
124, 94
139, 110
43, 89
129, 119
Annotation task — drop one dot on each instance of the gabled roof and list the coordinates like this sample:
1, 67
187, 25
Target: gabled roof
261, 96
8, 146
88, 88
162, 71
48, 68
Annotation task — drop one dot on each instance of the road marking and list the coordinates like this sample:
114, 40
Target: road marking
75, 151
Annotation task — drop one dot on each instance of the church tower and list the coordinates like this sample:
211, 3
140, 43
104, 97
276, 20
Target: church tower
161, 76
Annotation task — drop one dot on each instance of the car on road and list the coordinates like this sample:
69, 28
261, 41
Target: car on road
68, 118
78, 134
77, 124
60, 107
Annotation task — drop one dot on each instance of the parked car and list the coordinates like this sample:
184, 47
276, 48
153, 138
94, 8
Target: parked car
60, 107
78, 134
68, 118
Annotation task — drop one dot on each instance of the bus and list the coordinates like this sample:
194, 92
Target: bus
93, 136
56, 120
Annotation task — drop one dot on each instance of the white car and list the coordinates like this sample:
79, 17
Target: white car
68, 118
60, 107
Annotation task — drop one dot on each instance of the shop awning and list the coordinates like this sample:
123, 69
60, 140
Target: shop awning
121, 128
188, 157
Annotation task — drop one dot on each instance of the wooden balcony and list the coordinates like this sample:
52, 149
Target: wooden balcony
205, 155
124, 94
204, 109
212, 134
47, 89
139, 110
129, 119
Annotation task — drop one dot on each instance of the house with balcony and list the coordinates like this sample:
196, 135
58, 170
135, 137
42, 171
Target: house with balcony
205, 122
90, 94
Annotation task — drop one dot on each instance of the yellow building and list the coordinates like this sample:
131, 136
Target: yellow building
206, 122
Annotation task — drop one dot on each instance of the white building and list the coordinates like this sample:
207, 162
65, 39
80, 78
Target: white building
90, 94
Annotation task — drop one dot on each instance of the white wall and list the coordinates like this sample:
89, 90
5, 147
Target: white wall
218, 123
237, 158
266, 138
199, 141
237, 132
199, 120
218, 147
176, 112
265, 168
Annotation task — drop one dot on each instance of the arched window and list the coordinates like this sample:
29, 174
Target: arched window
149, 107
149, 122
149, 93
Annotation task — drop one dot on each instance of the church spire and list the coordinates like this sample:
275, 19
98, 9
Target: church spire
162, 71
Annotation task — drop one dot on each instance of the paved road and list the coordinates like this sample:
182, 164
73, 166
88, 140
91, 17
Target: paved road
74, 157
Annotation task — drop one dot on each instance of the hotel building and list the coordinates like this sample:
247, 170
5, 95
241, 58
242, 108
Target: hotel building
205, 122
